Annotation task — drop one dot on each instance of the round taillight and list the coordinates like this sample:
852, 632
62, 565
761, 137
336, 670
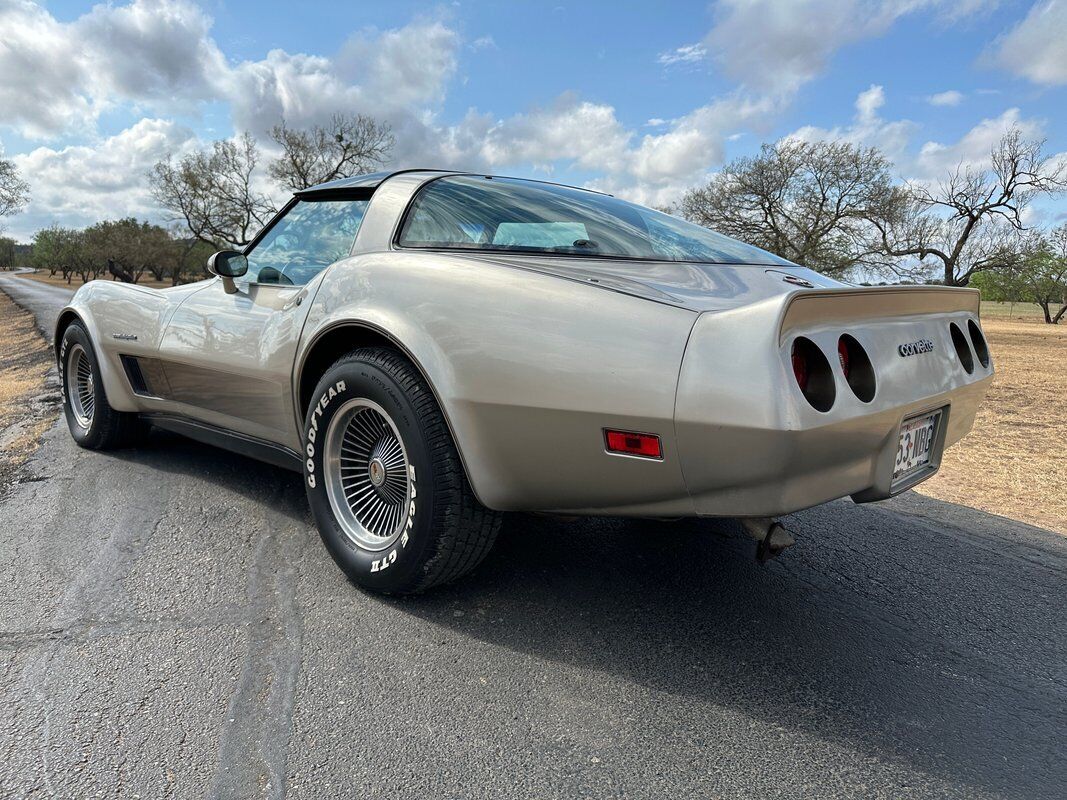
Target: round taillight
981, 349
813, 374
842, 355
856, 364
800, 369
963, 350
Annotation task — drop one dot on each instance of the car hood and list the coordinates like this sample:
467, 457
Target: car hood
696, 286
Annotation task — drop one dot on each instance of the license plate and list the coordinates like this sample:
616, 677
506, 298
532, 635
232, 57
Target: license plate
916, 443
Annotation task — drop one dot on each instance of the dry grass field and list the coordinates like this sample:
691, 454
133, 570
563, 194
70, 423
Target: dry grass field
1014, 462
76, 281
25, 413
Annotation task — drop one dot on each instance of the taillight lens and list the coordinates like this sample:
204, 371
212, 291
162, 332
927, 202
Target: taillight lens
857, 367
842, 355
812, 371
646, 445
800, 368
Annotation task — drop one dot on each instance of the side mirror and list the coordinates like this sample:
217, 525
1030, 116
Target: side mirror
228, 264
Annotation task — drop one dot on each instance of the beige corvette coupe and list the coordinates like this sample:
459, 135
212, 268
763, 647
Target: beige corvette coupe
431, 349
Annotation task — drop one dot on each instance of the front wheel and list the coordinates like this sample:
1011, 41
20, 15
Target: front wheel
384, 479
93, 423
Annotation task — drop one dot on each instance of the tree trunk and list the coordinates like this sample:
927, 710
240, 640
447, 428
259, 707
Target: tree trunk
1045, 307
119, 272
1059, 315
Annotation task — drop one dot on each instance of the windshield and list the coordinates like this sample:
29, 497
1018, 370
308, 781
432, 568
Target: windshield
504, 214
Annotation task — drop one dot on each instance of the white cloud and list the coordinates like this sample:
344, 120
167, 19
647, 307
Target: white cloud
1036, 48
58, 76
779, 45
483, 43
936, 159
159, 54
81, 184
868, 128
948, 98
687, 54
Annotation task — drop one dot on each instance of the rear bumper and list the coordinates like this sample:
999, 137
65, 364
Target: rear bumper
777, 471
749, 442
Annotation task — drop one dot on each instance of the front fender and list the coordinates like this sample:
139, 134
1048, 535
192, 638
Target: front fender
121, 319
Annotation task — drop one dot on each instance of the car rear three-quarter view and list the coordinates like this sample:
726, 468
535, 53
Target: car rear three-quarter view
432, 349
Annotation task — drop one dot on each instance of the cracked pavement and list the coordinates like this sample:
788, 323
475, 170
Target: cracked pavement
171, 626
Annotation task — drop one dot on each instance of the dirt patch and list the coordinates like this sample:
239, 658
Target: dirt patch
1014, 463
29, 393
76, 281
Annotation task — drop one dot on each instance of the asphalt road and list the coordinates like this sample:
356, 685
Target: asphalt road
171, 626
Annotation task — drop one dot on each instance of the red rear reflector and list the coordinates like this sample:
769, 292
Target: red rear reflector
633, 444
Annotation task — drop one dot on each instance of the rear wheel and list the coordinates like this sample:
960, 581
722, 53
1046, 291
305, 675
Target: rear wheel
384, 479
93, 423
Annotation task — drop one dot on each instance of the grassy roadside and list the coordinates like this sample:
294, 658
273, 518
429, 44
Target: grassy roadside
29, 400
76, 281
1013, 463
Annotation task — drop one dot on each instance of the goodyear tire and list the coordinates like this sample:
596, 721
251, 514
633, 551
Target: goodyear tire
384, 480
93, 423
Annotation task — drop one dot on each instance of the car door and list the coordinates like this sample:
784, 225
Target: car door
227, 358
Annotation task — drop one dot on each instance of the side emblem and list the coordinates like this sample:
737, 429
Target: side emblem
914, 348
125, 337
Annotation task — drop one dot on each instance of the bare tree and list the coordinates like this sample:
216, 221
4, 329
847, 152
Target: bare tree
350, 145
14, 192
805, 201
970, 222
213, 194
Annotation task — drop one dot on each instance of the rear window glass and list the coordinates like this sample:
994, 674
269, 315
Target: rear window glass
511, 215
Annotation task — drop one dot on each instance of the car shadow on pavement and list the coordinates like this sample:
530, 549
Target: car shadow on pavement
903, 635
924, 649
280, 489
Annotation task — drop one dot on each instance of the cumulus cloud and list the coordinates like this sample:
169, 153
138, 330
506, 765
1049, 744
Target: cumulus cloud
779, 45
949, 98
1036, 48
936, 159
933, 160
868, 127
57, 76
81, 184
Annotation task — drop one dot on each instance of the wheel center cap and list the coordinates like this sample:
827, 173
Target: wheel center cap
377, 472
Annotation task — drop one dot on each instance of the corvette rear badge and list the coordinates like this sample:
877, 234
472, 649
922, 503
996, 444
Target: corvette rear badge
914, 348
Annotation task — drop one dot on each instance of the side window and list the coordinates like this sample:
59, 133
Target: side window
310, 237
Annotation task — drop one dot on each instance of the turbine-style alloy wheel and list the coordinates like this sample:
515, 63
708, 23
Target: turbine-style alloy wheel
367, 474
81, 389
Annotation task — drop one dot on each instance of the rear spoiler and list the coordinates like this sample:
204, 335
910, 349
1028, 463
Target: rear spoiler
805, 309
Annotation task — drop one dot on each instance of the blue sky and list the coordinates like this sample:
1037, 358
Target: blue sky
639, 99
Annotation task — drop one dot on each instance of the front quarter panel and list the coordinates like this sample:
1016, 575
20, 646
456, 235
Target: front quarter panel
123, 319
528, 370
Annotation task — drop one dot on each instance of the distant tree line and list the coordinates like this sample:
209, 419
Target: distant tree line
124, 249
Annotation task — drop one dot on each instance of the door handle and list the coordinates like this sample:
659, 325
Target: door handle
295, 300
